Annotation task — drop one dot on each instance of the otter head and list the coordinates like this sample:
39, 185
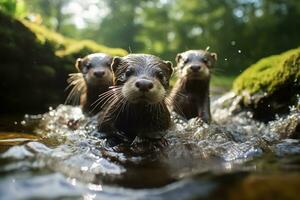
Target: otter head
143, 78
195, 64
96, 69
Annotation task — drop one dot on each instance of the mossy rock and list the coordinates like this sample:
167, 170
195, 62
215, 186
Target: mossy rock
65, 46
85, 47
35, 63
271, 85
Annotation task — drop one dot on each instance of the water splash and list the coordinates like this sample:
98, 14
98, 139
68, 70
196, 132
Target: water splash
72, 155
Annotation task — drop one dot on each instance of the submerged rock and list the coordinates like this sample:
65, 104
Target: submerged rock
263, 186
271, 85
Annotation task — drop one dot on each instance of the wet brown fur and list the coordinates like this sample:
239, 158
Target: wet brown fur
190, 94
128, 114
86, 85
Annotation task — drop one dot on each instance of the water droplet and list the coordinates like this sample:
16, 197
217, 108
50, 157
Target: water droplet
23, 122
239, 51
73, 181
85, 168
233, 43
225, 59
50, 108
95, 187
15, 123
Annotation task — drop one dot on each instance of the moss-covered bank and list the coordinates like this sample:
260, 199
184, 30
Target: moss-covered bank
271, 85
35, 63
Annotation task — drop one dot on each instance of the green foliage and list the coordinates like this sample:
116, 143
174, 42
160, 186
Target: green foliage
51, 10
8, 6
241, 32
119, 29
270, 74
13, 7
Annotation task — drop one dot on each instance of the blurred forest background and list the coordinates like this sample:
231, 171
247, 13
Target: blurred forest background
239, 31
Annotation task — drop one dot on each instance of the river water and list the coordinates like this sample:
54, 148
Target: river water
59, 155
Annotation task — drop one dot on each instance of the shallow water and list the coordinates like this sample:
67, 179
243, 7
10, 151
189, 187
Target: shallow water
58, 155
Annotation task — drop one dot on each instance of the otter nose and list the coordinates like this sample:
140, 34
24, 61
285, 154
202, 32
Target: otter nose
195, 68
144, 85
99, 74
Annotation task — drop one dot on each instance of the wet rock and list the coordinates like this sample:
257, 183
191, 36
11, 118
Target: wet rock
271, 85
287, 127
266, 187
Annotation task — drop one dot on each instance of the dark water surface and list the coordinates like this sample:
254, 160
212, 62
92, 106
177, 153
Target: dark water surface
58, 155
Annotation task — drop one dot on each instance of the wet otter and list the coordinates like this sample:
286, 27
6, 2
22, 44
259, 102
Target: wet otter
190, 94
94, 78
136, 106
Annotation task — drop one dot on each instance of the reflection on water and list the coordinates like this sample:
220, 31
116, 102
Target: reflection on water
61, 156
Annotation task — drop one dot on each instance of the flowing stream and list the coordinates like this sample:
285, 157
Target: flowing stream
59, 155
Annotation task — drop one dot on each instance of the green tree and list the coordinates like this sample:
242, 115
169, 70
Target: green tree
51, 12
119, 28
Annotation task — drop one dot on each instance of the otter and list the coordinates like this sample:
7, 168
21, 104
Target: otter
136, 105
190, 94
94, 77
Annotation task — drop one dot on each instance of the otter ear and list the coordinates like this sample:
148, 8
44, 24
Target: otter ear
78, 64
115, 63
178, 57
170, 67
214, 56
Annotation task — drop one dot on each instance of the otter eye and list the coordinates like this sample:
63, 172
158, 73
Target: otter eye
160, 75
128, 72
88, 66
186, 61
205, 60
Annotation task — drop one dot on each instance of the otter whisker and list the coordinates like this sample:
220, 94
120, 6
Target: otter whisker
76, 81
105, 95
116, 94
115, 103
170, 102
136, 100
123, 103
74, 95
106, 100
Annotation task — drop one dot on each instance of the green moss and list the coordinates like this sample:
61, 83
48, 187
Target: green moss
271, 85
67, 47
45, 35
270, 74
85, 47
